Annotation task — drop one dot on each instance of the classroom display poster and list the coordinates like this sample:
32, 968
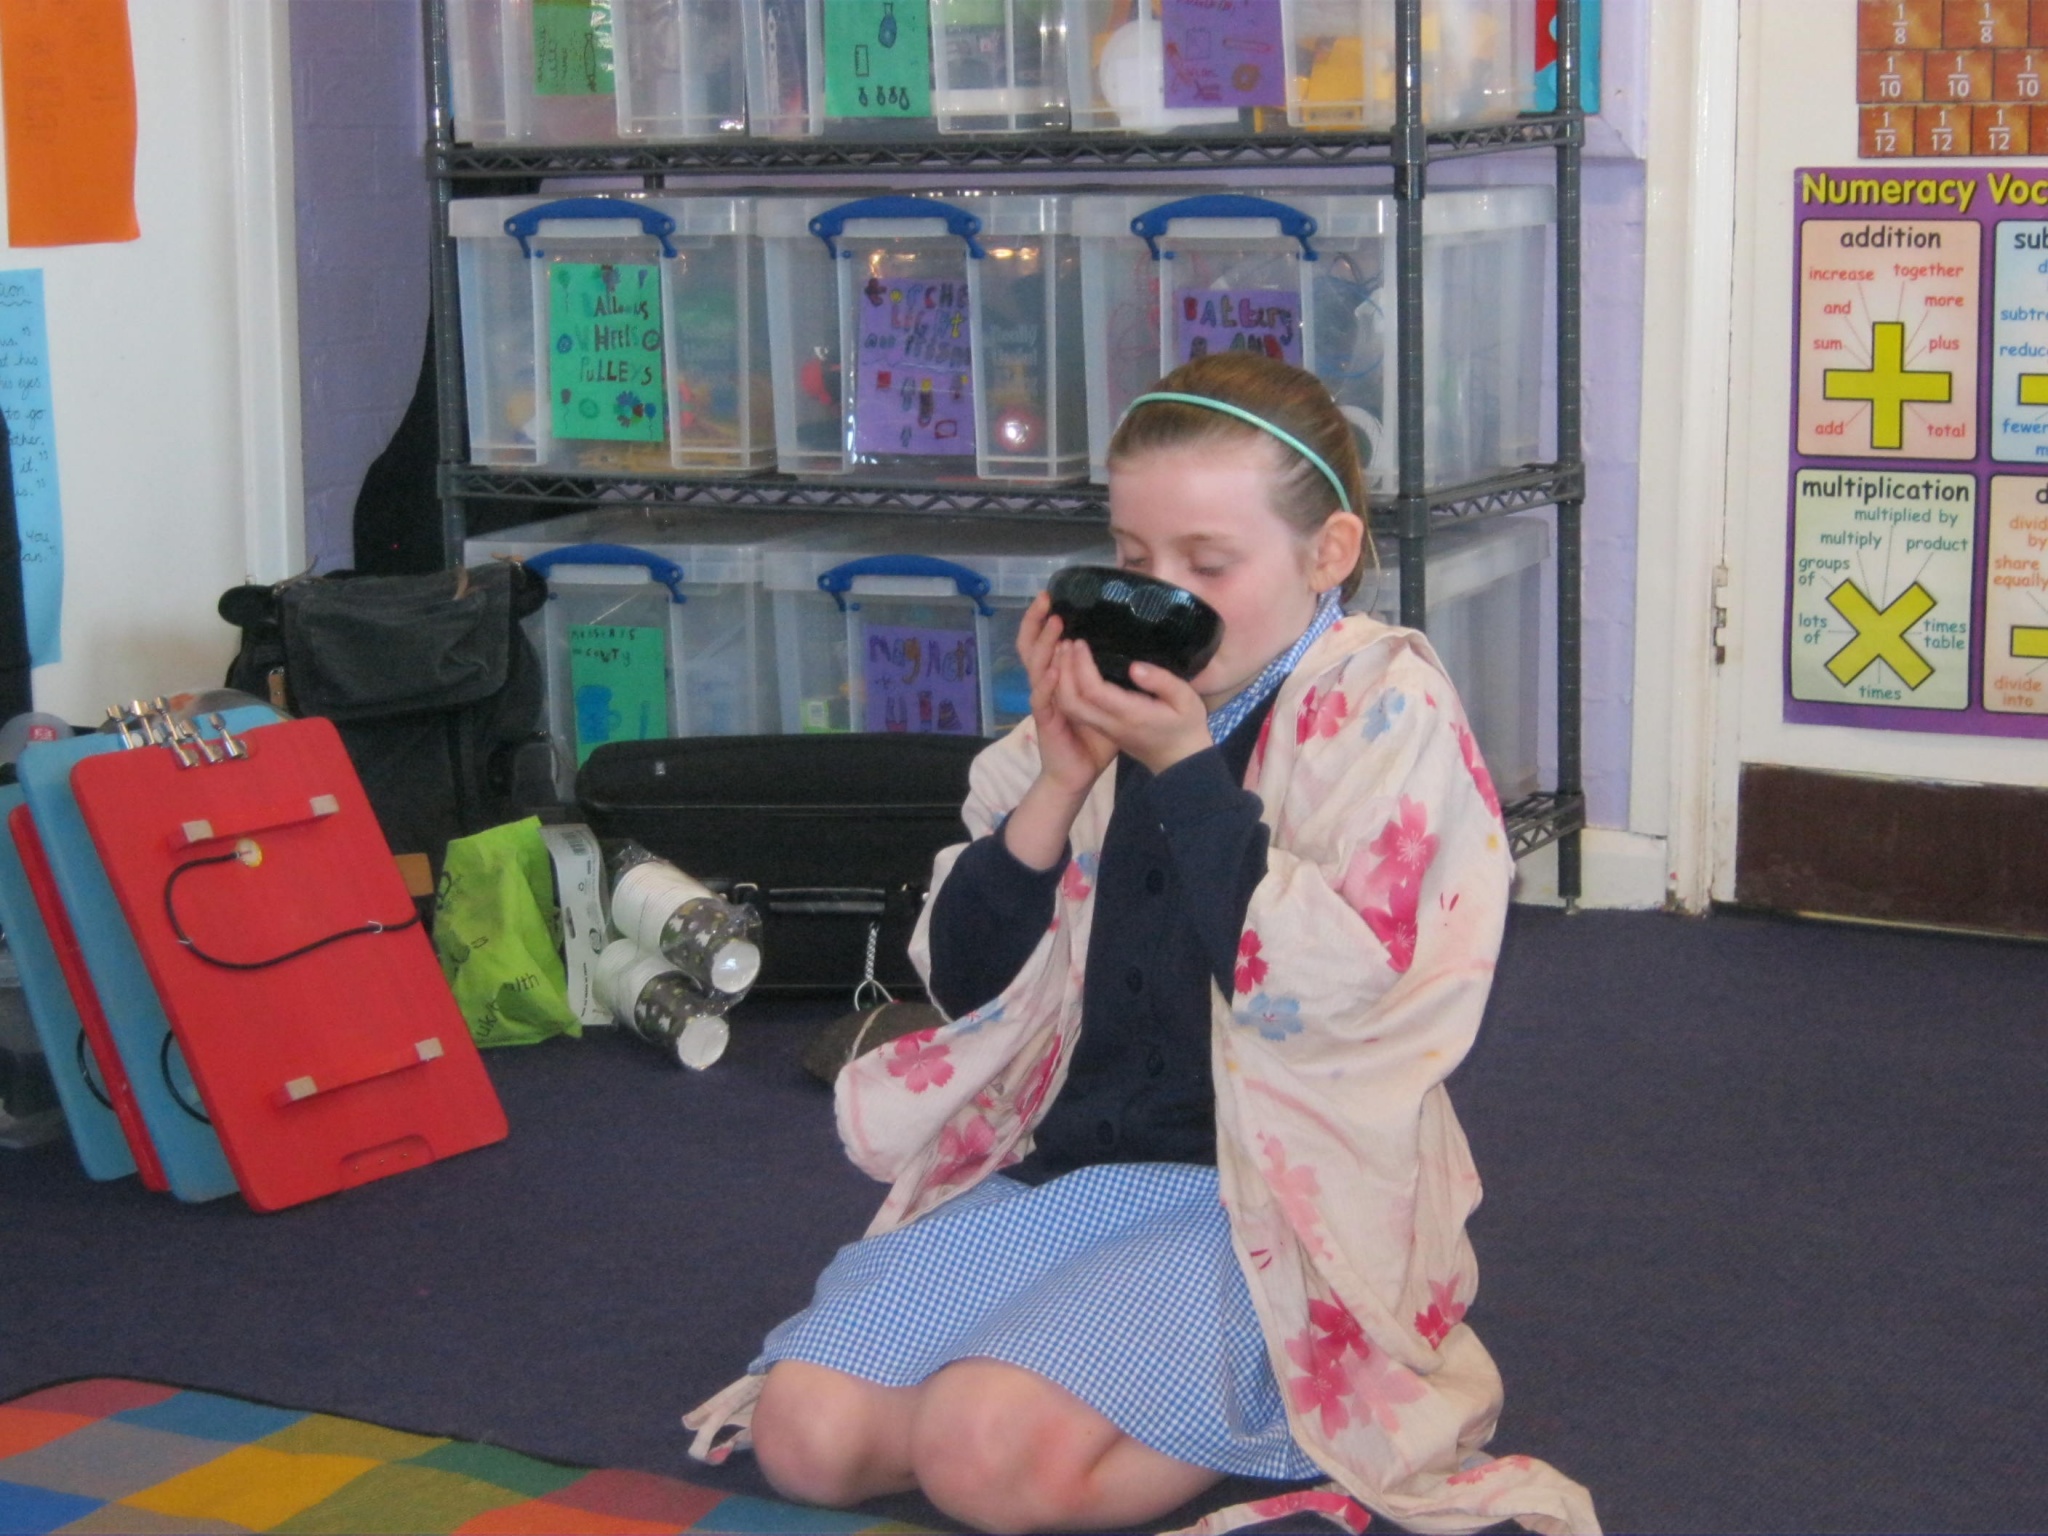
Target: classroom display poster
1917, 570
605, 351
922, 680
32, 455
1951, 77
914, 392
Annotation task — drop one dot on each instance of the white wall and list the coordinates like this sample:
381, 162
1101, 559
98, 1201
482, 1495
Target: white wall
174, 371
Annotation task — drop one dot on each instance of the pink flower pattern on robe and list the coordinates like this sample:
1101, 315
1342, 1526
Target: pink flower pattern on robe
1468, 748
1383, 882
1444, 1312
1322, 714
1295, 1190
1251, 969
1343, 1376
920, 1061
963, 1149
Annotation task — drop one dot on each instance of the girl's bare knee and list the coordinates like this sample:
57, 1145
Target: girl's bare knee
822, 1437
1004, 1450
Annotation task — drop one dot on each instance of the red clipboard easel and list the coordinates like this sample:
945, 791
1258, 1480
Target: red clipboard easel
85, 997
309, 1005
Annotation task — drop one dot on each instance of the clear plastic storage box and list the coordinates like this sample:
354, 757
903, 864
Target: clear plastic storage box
1310, 279
614, 334
1484, 587
910, 624
917, 338
577, 72
866, 69
1269, 65
654, 624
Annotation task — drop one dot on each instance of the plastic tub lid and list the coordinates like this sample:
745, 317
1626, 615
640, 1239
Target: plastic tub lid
1462, 561
1015, 558
483, 218
1338, 216
1012, 214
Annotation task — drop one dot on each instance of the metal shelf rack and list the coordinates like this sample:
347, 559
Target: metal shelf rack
1407, 150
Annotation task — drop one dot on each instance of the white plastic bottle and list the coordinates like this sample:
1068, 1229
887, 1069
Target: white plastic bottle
661, 1005
667, 913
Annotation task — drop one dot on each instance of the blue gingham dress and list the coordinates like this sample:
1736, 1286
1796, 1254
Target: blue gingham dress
1116, 1281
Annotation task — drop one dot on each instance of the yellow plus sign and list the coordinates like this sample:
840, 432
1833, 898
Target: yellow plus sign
1880, 636
2034, 389
1888, 385
2030, 641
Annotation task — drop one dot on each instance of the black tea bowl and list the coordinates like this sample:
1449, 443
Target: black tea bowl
1126, 616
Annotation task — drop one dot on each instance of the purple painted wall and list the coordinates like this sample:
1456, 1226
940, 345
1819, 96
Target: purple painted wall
363, 205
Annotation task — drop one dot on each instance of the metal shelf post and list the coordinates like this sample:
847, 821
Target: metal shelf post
1570, 509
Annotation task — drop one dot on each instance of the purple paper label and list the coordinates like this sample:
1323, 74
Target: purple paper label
915, 392
1224, 53
1264, 320
923, 680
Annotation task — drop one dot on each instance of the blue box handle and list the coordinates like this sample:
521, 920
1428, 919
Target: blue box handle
1150, 225
523, 226
831, 224
667, 572
972, 584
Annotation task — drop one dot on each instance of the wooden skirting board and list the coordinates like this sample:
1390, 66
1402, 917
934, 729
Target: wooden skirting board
1958, 856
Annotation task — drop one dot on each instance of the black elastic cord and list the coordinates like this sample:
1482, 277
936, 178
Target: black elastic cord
85, 1072
163, 1060
178, 928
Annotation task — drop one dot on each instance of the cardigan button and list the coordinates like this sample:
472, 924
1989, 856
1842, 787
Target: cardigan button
1155, 1062
1155, 881
1105, 1134
1134, 980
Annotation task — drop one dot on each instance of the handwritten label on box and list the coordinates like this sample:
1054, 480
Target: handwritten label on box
1224, 53
572, 48
915, 391
878, 58
619, 676
922, 680
605, 351
1266, 320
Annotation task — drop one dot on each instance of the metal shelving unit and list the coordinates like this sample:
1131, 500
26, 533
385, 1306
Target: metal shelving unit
1407, 151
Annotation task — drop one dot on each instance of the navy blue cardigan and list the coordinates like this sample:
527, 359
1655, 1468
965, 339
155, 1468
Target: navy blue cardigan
1179, 862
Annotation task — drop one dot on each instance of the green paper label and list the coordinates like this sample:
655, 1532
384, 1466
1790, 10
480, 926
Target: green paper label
878, 58
605, 351
619, 675
572, 47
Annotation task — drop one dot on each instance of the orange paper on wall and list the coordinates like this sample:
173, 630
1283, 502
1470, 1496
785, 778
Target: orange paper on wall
69, 80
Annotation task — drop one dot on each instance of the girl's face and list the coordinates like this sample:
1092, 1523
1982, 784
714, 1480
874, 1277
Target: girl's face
1201, 517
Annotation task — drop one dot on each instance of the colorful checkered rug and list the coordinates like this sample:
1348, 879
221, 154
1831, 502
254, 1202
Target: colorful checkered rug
116, 1456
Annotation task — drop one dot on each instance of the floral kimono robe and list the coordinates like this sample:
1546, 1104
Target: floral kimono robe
1364, 965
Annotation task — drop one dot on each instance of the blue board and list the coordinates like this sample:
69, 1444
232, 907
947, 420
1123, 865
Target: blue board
194, 1165
95, 1131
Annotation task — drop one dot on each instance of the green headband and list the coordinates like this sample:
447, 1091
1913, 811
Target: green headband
1169, 397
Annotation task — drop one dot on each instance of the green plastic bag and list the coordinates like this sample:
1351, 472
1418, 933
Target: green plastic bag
498, 932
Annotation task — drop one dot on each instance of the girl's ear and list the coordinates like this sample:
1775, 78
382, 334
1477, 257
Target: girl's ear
1336, 548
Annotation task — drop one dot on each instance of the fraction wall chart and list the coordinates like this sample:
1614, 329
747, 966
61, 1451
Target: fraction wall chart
1917, 570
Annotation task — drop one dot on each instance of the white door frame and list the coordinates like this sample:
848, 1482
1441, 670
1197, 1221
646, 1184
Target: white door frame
267, 289
1688, 322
